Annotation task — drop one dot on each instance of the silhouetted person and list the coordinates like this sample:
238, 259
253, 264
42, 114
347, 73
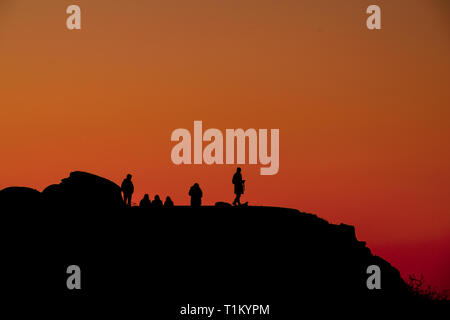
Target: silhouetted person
157, 203
145, 202
238, 187
127, 189
196, 195
168, 203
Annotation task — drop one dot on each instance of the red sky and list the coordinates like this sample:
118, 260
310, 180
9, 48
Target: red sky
363, 115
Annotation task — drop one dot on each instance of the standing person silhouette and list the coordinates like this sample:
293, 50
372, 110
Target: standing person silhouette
127, 189
238, 187
196, 195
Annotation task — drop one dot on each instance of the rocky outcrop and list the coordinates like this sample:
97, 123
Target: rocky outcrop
83, 190
209, 253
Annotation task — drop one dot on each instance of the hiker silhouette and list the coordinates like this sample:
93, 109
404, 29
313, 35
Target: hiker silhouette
145, 202
196, 195
168, 203
157, 203
127, 189
238, 187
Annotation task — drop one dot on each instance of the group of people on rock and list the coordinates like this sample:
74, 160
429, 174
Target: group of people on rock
156, 203
127, 189
195, 192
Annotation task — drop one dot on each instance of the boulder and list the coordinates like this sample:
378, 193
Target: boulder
19, 197
222, 204
83, 190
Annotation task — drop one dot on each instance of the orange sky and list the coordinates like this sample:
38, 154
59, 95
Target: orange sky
363, 115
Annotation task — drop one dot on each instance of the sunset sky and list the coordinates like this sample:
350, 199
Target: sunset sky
364, 115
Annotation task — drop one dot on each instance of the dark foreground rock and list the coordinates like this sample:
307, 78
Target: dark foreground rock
182, 255
157, 260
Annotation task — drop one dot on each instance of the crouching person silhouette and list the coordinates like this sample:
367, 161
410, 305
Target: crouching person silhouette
127, 190
196, 195
157, 203
168, 203
145, 202
238, 187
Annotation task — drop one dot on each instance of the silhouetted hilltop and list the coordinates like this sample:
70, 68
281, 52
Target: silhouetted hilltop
213, 254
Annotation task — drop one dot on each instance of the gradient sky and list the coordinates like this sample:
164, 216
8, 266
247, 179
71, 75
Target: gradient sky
363, 115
